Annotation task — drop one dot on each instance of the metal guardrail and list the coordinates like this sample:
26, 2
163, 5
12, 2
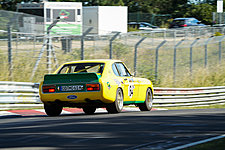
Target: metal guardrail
18, 92
177, 97
27, 93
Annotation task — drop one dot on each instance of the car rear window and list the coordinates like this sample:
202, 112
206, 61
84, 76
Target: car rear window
82, 67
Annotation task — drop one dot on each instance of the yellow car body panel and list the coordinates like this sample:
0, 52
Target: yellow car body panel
134, 89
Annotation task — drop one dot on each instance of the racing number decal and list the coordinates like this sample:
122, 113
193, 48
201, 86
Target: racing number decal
131, 90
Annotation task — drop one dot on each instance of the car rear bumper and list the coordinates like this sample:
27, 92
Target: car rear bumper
79, 97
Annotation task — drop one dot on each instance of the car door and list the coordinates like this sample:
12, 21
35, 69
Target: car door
131, 89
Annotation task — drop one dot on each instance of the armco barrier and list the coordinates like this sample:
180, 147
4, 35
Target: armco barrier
177, 97
24, 92
19, 92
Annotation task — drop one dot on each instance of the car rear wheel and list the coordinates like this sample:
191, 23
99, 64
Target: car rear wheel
53, 109
89, 110
147, 105
117, 105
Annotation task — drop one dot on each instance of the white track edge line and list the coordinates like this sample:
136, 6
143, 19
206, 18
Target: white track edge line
199, 142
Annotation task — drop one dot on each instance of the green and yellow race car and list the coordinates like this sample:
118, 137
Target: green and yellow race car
91, 84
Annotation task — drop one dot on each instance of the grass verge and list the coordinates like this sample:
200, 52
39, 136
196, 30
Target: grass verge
216, 145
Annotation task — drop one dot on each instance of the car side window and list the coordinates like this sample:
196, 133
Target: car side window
115, 70
122, 70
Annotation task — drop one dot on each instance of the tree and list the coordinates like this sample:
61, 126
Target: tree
11, 4
202, 12
212, 2
156, 6
176, 8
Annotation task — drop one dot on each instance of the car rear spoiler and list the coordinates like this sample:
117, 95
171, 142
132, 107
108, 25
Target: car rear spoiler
71, 78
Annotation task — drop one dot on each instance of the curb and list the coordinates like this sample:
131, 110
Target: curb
41, 112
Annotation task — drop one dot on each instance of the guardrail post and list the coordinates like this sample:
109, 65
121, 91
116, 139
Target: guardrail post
110, 44
192, 44
174, 59
206, 50
156, 58
135, 54
220, 48
10, 50
82, 42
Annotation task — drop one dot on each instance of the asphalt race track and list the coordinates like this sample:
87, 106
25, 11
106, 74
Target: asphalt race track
125, 131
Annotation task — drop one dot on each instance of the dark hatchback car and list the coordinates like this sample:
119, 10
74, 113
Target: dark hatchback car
185, 22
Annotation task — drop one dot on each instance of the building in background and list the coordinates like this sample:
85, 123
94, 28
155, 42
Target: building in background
75, 18
105, 19
69, 12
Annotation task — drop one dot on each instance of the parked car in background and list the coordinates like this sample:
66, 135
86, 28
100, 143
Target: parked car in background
185, 22
141, 25
144, 26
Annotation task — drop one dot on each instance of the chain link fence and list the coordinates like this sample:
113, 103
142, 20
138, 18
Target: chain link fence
155, 19
157, 55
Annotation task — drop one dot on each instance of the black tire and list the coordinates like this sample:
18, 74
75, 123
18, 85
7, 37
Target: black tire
147, 105
89, 110
117, 105
53, 109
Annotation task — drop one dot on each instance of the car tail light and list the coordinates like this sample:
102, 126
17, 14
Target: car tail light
48, 89
93, 87
185, 25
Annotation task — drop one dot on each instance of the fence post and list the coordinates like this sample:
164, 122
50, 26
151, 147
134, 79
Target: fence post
82, 42
110, 44
164, 34
156, 59
152, 36
175, 35
220, 48
206, 50
47, 42
34, 42
49, 51
10, 50
39, 59
191, 46
175, 59
135, 54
